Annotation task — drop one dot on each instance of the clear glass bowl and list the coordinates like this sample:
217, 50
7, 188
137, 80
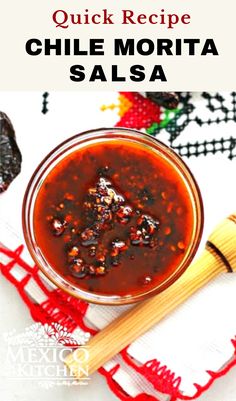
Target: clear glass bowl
92, 137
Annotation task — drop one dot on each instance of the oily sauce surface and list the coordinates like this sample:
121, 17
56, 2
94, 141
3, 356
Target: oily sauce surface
113, 218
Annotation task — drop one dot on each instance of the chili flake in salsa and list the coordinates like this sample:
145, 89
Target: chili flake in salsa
113, 218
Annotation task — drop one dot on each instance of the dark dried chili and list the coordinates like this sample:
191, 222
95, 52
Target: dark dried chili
10, 156
169, 100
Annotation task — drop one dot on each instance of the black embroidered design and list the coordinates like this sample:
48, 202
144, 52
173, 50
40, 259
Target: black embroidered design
45, 102
221, 109
196, 149
216, 104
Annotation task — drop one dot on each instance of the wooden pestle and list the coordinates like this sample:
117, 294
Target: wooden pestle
218, 256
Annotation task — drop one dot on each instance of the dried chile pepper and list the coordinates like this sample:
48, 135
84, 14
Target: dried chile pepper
10, 156
169, 100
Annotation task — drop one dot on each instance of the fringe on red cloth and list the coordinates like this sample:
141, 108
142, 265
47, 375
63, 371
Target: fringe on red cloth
68, 311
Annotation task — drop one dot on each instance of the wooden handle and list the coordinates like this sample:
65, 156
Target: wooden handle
218, 256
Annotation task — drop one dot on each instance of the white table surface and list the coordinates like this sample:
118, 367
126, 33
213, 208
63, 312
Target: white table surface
12, 311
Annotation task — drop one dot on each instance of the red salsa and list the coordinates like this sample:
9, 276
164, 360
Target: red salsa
114, 218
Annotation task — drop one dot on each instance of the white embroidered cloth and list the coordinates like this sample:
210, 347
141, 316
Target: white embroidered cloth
196, 337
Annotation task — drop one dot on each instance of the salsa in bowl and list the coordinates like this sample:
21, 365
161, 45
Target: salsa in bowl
112, 216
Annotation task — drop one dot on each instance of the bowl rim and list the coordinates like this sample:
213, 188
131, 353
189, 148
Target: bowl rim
44, 168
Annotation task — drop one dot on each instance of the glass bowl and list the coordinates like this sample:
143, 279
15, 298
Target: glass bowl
96, 137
